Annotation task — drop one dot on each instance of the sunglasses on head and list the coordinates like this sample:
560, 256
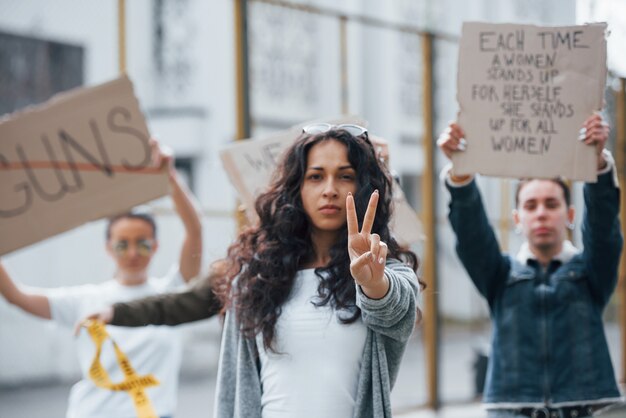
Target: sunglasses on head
320, 128
144, 247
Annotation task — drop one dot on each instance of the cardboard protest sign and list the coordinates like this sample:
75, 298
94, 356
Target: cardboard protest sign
250, 164
524, 92
81, 156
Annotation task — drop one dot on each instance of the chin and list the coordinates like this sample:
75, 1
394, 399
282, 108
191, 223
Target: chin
331, 228
135, 270
542, 245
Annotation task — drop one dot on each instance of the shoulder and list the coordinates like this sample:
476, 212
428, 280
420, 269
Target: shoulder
171, 281
82, 290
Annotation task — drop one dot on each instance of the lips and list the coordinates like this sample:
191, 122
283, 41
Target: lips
541, 231
330, 209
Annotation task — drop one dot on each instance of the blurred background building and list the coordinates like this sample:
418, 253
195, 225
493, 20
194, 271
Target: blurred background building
307, 60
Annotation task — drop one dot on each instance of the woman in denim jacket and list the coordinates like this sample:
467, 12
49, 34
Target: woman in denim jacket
549, 353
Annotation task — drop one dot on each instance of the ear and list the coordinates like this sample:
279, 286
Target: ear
515, 216
155, 247
109, 248
571, 213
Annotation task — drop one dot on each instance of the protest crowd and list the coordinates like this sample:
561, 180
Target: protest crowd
326, 281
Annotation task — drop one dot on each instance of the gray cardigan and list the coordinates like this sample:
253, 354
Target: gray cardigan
389, 322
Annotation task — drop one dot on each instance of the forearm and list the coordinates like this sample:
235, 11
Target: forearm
477, 246
167, 309
138, 313
187, 209
8, 289
185, 205
602, 238
32, 303
394, 314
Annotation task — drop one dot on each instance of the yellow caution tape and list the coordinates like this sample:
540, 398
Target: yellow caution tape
132, 383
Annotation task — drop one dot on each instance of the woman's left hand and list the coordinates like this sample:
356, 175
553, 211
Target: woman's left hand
162, 156
368, 253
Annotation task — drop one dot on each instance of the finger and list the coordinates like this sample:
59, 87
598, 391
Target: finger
452, 141
382, 255
375, 246
156, 153
378, 264
597, 125
166, 161
456, 130
79, 324
351, 218
596, 135
599, 134
450, 149
452, 133
370, 213
359, 263
447, 138
443, 140
592, 119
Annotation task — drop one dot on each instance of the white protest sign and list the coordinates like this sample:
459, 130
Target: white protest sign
524, 92
81, 156
250, 164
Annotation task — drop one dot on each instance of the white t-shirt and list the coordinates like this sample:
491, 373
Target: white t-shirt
151, 349
317, 373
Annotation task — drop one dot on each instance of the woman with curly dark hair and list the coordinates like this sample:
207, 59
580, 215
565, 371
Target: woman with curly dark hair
319, 306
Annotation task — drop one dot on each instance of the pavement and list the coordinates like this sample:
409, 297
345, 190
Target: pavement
198, 372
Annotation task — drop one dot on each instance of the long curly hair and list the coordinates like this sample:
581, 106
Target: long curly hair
264, 259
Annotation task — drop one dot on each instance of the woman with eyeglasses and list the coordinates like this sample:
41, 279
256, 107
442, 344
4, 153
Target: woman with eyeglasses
319, 305
131, 241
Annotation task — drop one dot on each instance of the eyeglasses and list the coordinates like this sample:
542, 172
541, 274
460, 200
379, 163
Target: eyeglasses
122, 247
320, 128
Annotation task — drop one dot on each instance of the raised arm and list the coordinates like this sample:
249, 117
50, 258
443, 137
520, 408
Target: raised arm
476, 246
29, 301
602, 238
187, 209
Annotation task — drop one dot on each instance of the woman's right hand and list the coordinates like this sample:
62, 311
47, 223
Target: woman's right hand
452, 140
105, 315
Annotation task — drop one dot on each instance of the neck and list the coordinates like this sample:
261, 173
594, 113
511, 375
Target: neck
131, 279
546, 254
322, 243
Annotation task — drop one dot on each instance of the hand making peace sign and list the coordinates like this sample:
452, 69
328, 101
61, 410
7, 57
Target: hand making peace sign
367, 253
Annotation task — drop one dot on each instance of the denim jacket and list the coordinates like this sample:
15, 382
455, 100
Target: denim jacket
548, 343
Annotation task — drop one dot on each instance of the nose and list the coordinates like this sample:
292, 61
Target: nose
541, 211
330, 188
133, 251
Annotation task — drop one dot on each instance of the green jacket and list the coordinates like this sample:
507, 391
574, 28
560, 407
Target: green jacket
193, 304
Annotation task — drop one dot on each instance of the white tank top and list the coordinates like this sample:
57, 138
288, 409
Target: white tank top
315, 372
